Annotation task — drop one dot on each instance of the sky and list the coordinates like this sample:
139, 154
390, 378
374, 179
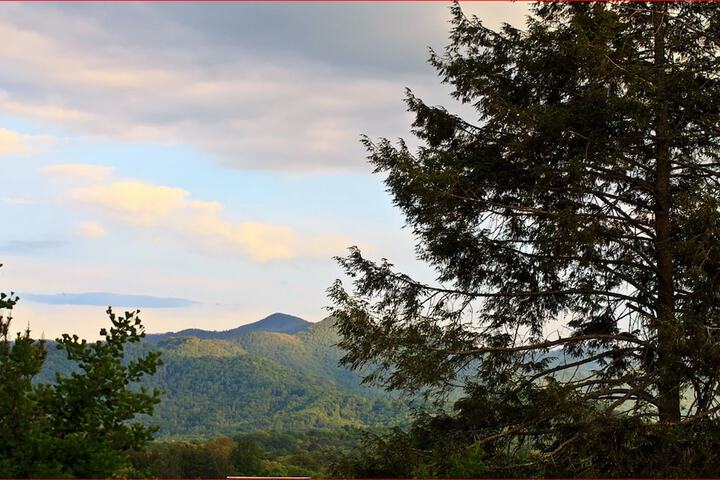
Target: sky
202, 162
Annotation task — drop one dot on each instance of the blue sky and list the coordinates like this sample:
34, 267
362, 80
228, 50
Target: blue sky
202, 161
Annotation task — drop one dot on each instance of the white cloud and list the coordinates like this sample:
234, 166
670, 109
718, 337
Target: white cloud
91, 230
44, 111
290, 95
18, 201
21, 144
494, 14
171, 213
77, 171
136, 201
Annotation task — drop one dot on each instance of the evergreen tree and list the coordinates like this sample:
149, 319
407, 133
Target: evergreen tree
80, 425
574, 227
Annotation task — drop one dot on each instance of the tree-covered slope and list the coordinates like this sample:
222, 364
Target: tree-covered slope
256, 380
312, 351
224, 395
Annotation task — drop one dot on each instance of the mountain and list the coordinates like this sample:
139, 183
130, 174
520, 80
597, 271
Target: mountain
255, 377
277, 322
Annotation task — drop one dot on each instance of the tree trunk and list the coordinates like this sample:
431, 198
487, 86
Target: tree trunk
668, 383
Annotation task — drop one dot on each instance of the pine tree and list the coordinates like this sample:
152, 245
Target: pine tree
82, 424
574, 225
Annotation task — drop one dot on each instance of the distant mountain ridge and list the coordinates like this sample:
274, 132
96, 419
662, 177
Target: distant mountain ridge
281, 373
277, 322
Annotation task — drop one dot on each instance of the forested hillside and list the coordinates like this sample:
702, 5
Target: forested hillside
222, 384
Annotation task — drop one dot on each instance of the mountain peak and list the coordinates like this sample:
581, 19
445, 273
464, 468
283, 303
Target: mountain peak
280, 322
276, 322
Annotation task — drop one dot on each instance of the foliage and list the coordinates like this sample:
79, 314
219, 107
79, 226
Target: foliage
246, 457
607, 447
211, 459
261, 453
582, 199
260, 380
80, 425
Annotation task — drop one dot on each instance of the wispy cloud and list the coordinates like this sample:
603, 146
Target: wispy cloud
172, 212
77, 170
91, 230
20, 144
18, 201
136, 201
108, 299
29, 246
